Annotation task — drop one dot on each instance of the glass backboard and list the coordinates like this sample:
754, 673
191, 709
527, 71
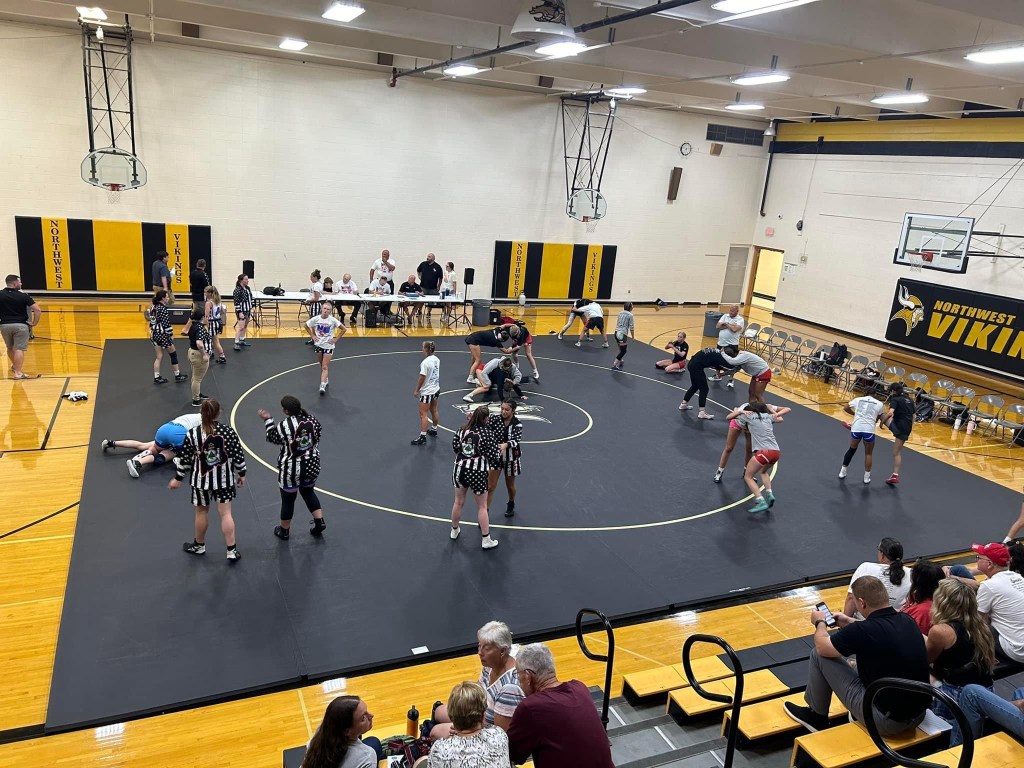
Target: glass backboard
931, 241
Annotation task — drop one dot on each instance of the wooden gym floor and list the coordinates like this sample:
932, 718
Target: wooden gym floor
43, 445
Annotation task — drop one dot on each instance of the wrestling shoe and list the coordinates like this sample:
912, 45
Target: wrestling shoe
705, 415
894, 479
605, 345
134, 468
454, 534
108, 445
432, 431
468, 398
180, 377
771, 498
323, 389
718, 475
761, 505
577, 344
317, 528
731, 384
488, 543
842, 472
238, 347
685, 407
195, 548
867, 478
806, 716
159, 380
536, 377
234, 555
470, 380
715, 378
510, 509
246, 343
222, 360
281, 533
197, 402
421, 440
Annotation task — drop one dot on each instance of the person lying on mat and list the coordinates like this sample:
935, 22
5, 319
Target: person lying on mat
161, 449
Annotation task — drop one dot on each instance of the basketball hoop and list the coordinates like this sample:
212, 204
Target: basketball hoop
113, 193
915, 261
591, 223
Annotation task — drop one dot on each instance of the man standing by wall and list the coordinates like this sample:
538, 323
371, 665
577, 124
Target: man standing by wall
15, 308
730, 327
162, 276
198, 281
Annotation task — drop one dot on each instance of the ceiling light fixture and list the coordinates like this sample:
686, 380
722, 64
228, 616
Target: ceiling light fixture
626, 91
560, 49
742, 9
290, 44
90, 14
743, 106
998, 56
900, 98
770, 133
462, 70
760, 79
344, 12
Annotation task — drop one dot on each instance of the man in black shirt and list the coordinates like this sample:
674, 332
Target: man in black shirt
430, 274
198, 281
410, 286
15, 308
886, 644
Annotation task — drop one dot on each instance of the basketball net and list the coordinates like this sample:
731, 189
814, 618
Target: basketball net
590, 223
113, 193
915, 261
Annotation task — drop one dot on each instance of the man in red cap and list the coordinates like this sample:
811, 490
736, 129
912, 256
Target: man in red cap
1000, 598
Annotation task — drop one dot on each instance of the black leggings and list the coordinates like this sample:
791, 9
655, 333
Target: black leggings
622, 351
288, 501
698, 382
499, 378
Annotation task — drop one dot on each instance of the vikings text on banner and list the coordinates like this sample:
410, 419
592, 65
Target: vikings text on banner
971, 327
552, 270
57, 254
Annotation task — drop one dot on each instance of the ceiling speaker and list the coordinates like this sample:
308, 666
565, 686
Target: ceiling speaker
546, 82
190, 30
385, 59
673, 183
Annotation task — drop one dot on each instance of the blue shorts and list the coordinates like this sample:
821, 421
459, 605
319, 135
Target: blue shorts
170, 435
867, 437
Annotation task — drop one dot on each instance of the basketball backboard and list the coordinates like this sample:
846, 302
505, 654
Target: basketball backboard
932, 241
586, 205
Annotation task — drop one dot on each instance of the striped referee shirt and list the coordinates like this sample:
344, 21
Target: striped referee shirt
199, 338
511, 433
160, 319
299, 438
476, 449
211, 461
243, 299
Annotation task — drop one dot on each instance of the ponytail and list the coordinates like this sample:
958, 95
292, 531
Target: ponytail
293, 407
209, 411
893, 552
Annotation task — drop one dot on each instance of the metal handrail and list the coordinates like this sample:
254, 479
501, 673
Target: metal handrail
609, 659
914, 686
737, 698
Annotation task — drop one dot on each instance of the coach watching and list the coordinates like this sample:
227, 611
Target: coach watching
162, 276
557, 722
430, 274
198, 281
886, 644
15, 308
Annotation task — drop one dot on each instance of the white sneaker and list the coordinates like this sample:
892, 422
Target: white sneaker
842, 472
455, 533
488, 543
718, 475
577, 344
470, 380
685, 407
730, 384
536, 375
323, 389
705, 415
133, 468
867, 478
605, 345
233, 555
468, 398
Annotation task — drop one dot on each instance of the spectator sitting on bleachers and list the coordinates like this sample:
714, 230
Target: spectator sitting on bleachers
336, 743
1017, 558
556, 723
889, 569
924, 578
886, 644
499, 679
472, 743
959, 645
1000, 598
979, 702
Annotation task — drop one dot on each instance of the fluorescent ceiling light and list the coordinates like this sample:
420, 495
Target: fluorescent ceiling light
742, 107
561, 48
998, 56
461, 70
290, 44
90, 14
742, 9
762, 78
627, 91
900, 98
343, 12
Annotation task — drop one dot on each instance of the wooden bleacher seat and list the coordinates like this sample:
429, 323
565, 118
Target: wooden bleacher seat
849, 743
1000, 750
764, 719
659, 681
686, 703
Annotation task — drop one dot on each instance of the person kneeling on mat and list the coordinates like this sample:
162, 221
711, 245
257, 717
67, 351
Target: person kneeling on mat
500, 373
161, 449
298, 464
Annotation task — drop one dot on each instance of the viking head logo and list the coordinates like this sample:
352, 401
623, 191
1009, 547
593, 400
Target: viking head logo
912, 312
549, 12
523, 412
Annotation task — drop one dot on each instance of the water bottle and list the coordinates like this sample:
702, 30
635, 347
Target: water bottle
522, 299
412, 722
972, 424
957, 422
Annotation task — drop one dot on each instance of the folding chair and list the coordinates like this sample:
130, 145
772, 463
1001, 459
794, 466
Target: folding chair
775, 345
1011, 419
918, 381
849, 373
749, 334
760, 342
940, 392
987, 410
959, 401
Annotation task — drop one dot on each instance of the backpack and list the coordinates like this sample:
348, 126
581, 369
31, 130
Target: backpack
273, 290
838, 354
924, 409
370, 317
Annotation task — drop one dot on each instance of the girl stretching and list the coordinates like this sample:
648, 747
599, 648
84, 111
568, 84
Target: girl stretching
623, 324
298, 464
758, 421
680, 349
162, 336
475, 450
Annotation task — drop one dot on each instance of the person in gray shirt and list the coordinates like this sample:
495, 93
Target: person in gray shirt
162, 276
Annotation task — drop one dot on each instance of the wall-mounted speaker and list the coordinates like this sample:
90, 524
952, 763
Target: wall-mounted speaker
189, 30
716, 149
249, 268
546, 82
386, 59
673, 183
469, 276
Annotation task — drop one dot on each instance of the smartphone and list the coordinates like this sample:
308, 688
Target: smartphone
830, 620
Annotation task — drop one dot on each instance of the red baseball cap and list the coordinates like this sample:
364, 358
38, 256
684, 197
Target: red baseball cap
997, 553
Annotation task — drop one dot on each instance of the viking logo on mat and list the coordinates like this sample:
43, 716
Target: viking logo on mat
912, 312
523, 412
549, 12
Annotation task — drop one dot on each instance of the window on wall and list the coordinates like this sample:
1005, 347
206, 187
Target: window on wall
730, 134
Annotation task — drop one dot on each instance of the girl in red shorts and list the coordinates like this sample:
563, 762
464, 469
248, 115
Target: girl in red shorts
733, 436
759, 422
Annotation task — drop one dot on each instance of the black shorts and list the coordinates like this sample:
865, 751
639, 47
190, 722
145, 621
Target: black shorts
429, 398
483, 339
621, 337
204, 498
473, 479
595, 322
901, 431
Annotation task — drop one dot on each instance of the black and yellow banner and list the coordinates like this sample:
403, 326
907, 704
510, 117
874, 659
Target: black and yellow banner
58, 254
552, 270
975, 328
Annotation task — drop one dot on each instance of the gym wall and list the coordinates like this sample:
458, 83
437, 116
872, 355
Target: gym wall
302, 166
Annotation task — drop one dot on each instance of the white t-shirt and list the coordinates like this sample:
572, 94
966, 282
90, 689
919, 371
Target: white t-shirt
189, 420
349, 288
380, 290
492, 366
487, 748
1002, 598
866, 411
592, 310
897, 594
431, 369
728, 337
317, 288
323, 330
448, 281
751, 364
382, 269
